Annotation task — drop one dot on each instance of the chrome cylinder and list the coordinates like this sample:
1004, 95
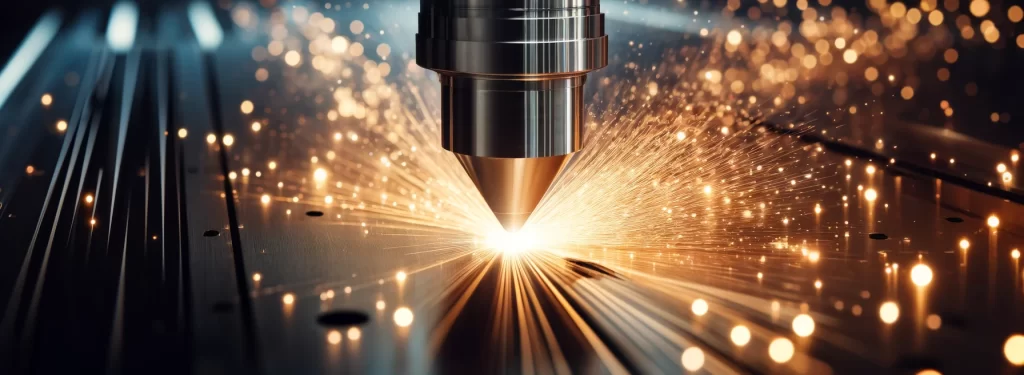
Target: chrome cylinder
512, 72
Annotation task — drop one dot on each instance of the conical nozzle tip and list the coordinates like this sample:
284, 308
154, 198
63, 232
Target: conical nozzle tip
513, 187
512, 222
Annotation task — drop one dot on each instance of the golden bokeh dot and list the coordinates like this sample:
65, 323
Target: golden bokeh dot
934, 322
889, 312
871, 73
699, 307
850, 56
334, 337
943, 75
262, 74
907, 92
989, 31
383, 50
693, 359
734, 37
356, 27
246, 107
950, 55
979, 8
1015, 13
403, 317
740, 335
354, 333
803, 325
1013, 349
356, 49
935, 17
870, 195
914, 15
1020, 41
339, 44
781, 350
921, 275
992, 221
967, 32
898, 10
292, 58
46, 99
62, 126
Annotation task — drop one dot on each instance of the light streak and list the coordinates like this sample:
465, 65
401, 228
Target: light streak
28, 52
204, 25
124, 20
676, 174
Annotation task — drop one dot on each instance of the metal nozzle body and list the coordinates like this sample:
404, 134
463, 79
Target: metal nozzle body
512, 75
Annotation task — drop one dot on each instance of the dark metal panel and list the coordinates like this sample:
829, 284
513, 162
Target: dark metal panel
219, 337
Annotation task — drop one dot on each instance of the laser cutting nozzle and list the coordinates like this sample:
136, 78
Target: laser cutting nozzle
513, 187
512, 104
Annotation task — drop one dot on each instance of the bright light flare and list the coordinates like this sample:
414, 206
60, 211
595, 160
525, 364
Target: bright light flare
511, 242
921, 275
124, 20
803, 325
889, 312
1013, 349
205, 26
403, 317
740, 335
781, 350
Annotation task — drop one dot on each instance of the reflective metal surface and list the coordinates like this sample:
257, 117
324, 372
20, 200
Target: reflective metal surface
512, 38
279, 203
512, 76
499, 118
513, 187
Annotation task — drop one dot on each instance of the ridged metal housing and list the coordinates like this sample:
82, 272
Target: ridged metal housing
512, 75
512, 72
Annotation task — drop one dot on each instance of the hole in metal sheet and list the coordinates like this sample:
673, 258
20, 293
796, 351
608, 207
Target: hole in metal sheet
314, 213
342, 318
211, 233
954, 219
878, 236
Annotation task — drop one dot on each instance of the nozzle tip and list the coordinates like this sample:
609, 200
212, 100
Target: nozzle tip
512, 222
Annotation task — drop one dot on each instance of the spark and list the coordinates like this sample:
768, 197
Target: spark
403, 317
889, 312
674, 172
921, 275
